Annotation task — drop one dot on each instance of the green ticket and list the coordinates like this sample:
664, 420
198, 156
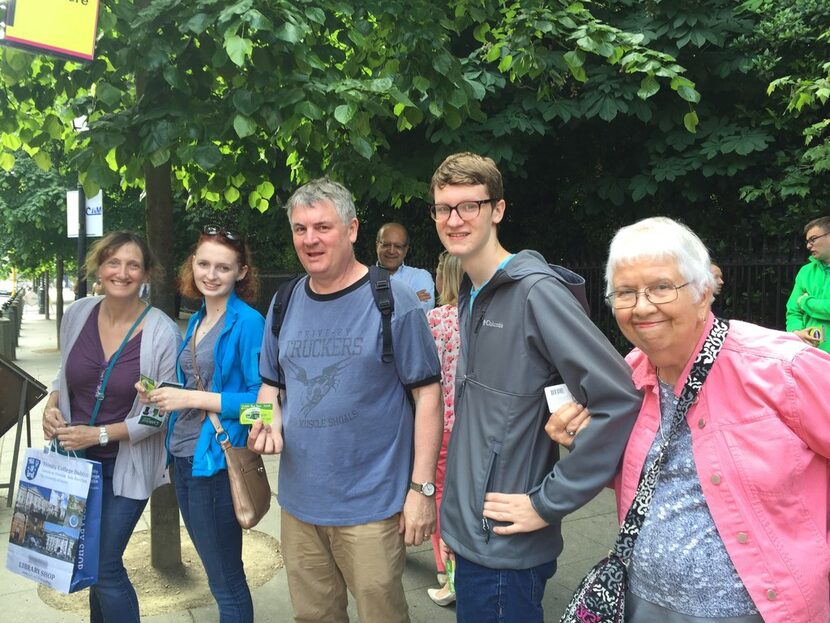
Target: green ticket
251, 412
147, 383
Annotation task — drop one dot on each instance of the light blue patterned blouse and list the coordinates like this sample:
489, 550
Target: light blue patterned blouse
679, 560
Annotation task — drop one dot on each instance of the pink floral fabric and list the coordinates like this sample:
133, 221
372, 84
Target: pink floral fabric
443, 322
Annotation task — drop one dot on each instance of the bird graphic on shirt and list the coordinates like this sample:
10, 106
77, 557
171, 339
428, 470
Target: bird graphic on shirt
318, 386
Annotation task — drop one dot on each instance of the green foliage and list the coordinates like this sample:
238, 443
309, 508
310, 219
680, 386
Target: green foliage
794, 39
236, 94
598, 113
33, 216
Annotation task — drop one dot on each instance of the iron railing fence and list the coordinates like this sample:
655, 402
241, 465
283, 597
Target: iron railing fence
758, 273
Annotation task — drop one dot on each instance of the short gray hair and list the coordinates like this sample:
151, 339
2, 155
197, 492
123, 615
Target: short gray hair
323, 189
661, 238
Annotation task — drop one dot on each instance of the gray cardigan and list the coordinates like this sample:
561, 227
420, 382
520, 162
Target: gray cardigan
140, 465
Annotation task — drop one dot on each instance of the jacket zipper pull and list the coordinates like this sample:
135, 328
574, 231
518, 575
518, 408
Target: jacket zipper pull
485, 528
480, 322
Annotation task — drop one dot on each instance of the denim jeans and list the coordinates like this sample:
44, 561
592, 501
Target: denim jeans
112, 598
485, 595
207, 510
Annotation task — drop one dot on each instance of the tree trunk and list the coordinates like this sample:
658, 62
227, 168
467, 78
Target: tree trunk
165, 537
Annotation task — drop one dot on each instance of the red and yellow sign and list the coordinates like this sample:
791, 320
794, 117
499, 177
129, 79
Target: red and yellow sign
62, 27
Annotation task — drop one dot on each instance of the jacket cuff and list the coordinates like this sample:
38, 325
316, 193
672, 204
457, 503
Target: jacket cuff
537, 500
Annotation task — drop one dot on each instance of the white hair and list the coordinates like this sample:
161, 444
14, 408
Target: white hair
661, 238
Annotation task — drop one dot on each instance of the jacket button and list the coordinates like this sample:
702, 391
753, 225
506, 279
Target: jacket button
715, 479
742, 537
701, 423
772, 595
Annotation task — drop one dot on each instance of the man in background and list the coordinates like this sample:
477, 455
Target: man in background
392, 246
808, 308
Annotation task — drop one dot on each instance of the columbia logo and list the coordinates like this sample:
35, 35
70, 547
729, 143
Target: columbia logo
494, 325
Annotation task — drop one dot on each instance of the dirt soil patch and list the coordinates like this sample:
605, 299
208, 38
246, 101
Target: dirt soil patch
162, 592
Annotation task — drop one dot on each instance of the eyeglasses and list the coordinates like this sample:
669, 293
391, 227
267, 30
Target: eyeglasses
215, 230
466, 210
657, 294
812, 240
388, 246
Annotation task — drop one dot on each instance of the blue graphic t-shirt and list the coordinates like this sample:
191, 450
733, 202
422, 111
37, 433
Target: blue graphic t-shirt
347, 423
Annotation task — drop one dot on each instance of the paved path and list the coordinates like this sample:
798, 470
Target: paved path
588, 533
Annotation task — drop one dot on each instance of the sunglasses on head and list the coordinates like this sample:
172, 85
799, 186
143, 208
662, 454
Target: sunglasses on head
215, 230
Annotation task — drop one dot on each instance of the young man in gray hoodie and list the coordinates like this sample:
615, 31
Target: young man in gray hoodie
522, 330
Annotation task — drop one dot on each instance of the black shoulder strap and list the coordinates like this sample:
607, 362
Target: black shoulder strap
281, 299
382, 292
381, 286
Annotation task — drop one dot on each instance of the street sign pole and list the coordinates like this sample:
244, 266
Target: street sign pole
81, 283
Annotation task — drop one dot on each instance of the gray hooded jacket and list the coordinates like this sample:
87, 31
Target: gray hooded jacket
525, 332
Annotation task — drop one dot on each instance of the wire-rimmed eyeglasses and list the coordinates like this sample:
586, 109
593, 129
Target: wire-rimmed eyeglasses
658, 294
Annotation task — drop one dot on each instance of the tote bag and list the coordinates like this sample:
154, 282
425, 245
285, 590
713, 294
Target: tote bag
55, 532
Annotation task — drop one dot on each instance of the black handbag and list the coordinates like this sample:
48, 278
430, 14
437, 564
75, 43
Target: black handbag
600, 597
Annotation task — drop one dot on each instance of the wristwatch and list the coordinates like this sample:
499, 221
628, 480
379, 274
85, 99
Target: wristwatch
425, 488
103, 437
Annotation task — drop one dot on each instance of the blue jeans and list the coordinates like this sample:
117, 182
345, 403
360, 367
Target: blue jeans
485, 595
112, 598
207, 510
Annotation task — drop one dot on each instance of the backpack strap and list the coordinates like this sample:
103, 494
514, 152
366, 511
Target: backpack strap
381, 284
280, 305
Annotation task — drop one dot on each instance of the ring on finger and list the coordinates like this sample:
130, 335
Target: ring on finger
571, 433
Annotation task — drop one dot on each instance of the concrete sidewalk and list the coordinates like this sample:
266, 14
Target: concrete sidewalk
587, 533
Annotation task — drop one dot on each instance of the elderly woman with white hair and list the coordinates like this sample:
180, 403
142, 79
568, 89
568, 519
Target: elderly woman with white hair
736, 528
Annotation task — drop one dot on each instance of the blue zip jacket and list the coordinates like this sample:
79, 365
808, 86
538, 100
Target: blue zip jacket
235, 377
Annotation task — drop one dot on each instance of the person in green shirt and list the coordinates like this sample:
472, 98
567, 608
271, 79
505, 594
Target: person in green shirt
808, 308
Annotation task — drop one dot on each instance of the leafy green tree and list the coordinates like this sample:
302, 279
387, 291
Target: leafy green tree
234, 101
32, 203
793, 43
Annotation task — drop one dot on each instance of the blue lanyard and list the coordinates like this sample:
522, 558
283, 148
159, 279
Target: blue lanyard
99, 395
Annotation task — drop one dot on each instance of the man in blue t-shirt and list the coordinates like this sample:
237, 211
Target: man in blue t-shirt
357, 469
392, 247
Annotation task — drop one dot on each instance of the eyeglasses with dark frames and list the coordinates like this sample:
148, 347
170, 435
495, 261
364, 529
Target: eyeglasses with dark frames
657, 294
812, 239
466, 210
216, 230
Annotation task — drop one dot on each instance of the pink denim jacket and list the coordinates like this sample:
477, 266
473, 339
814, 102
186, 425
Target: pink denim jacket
760, 438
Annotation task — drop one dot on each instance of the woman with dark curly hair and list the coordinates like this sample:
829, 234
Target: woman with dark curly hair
218, 366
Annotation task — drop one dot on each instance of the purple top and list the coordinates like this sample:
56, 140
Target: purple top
85, 369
